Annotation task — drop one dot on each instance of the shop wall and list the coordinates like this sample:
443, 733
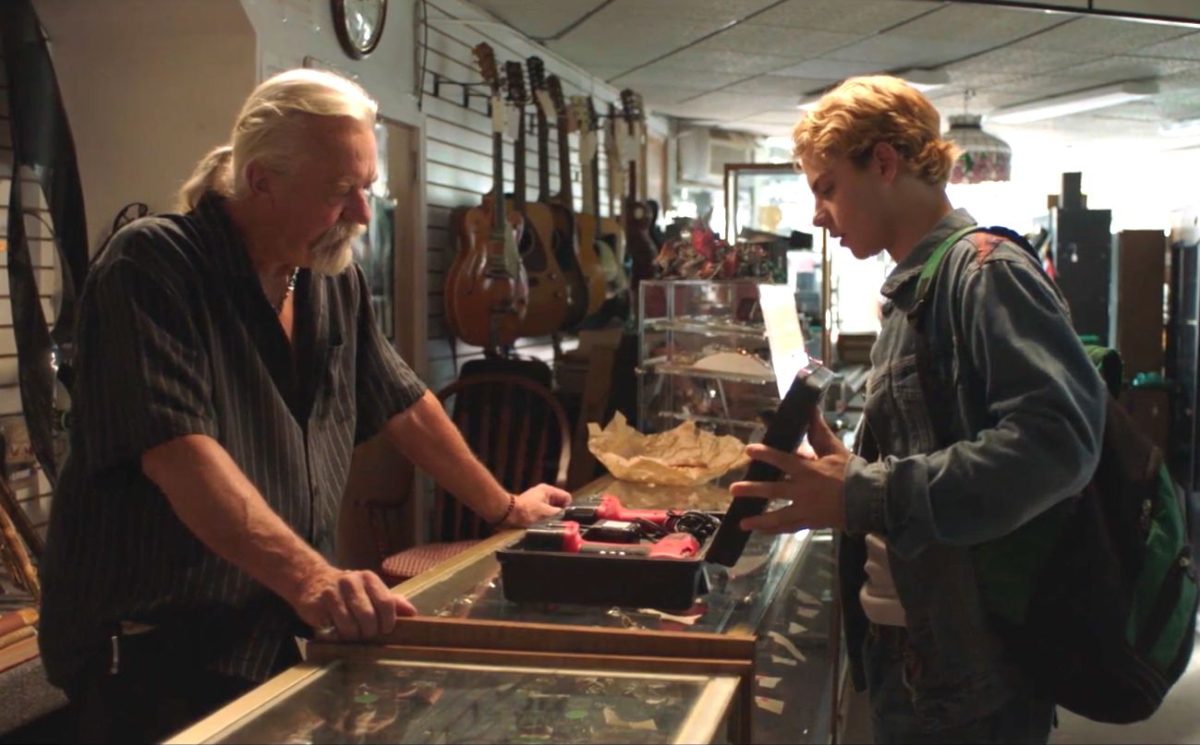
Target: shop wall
149, 87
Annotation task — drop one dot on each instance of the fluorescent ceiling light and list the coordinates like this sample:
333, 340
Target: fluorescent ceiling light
1180, 128
1074, 103
925, 79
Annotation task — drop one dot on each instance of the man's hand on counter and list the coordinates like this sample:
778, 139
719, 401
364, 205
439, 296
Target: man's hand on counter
349, 605
536, 503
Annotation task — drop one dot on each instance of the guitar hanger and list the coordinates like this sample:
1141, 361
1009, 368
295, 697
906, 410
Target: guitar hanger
468, 90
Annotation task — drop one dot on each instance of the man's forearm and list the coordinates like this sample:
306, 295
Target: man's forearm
427, 437
216, 501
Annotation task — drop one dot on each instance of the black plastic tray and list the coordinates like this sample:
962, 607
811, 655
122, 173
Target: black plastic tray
534, 576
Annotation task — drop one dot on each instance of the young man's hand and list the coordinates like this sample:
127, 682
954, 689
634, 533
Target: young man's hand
813, 480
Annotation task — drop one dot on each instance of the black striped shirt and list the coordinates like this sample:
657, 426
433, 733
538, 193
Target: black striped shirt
177, 337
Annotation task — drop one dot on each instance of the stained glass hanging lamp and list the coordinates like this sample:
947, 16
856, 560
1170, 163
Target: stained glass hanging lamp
983, 156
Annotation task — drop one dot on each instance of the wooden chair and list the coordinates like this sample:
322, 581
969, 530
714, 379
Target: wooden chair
520, 433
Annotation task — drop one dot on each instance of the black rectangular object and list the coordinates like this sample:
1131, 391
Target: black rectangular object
1083, 262
531, 576
785, 432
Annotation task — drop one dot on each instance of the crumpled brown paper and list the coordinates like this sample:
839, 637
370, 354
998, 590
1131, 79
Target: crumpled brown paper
684, 456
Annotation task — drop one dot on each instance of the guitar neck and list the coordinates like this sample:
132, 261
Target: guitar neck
564, 164
498, 222
543, 156
519, 164
633, 181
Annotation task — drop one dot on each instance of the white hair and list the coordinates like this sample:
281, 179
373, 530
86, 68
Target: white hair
271, 127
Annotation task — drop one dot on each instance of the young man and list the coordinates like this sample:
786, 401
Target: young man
228, 364
1026, 405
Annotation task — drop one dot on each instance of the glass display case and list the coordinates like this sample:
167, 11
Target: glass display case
771, 613
385, 696
703, 356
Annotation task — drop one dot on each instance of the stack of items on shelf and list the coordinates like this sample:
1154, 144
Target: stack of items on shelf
699, 253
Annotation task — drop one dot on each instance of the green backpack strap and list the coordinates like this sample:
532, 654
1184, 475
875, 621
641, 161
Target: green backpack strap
934, 262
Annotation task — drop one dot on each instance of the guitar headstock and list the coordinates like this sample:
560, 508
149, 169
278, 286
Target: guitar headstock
631, 107
554, 87
514, 80
580, 113
485, 60
592, 117
537, 73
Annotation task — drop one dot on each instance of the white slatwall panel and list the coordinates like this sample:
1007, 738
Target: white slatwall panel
30, 485
459, 159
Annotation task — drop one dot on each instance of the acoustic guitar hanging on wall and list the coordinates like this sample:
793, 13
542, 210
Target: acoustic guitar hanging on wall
549, 294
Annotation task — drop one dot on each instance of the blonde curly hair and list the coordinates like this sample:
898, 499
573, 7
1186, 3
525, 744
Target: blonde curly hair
862, 111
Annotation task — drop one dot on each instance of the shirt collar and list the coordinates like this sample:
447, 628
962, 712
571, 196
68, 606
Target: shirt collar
910, 267
226, 252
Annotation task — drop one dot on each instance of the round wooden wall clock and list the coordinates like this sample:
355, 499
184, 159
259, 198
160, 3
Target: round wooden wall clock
359, 25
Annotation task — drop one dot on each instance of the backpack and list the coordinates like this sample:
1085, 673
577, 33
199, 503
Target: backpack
1095, 598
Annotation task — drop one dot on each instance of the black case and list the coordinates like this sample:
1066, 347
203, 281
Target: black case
667, 584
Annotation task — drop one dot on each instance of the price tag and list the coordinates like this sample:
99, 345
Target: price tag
546, 103
512, 120
589, 145
499, 112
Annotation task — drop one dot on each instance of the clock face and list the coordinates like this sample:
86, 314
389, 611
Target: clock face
359, 24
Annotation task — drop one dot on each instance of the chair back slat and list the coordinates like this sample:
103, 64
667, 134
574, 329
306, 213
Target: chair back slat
517, 429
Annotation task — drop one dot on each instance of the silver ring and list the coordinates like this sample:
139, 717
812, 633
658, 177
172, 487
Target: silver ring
326, 630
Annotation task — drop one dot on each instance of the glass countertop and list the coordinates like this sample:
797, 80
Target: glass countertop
736, 603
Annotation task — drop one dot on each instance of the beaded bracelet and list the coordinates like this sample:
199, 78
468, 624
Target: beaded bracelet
512, 502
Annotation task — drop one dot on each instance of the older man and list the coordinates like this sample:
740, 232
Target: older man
228, 363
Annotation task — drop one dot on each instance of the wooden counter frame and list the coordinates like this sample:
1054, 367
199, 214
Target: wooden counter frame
716, 702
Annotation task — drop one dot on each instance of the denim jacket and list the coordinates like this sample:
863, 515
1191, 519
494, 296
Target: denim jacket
1027, 423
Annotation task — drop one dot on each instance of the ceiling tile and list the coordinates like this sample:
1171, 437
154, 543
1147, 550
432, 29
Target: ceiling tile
1023, 62
537, 18
664, 95
889, 50
719, 12
1095, 35
731, 62
726, 106
660, 74
828, 69
613, 42
863, 17
777, 85
1123, 67
779, 41
1185, 47
980, 24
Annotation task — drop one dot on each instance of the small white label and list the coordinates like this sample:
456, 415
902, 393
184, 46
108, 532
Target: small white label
546, 104
773, 705
499, 112
589, 144
766, 681
781, 660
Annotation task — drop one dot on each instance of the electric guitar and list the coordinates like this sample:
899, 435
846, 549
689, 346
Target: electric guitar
491, 292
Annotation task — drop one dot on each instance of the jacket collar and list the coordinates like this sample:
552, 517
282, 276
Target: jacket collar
910, 268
